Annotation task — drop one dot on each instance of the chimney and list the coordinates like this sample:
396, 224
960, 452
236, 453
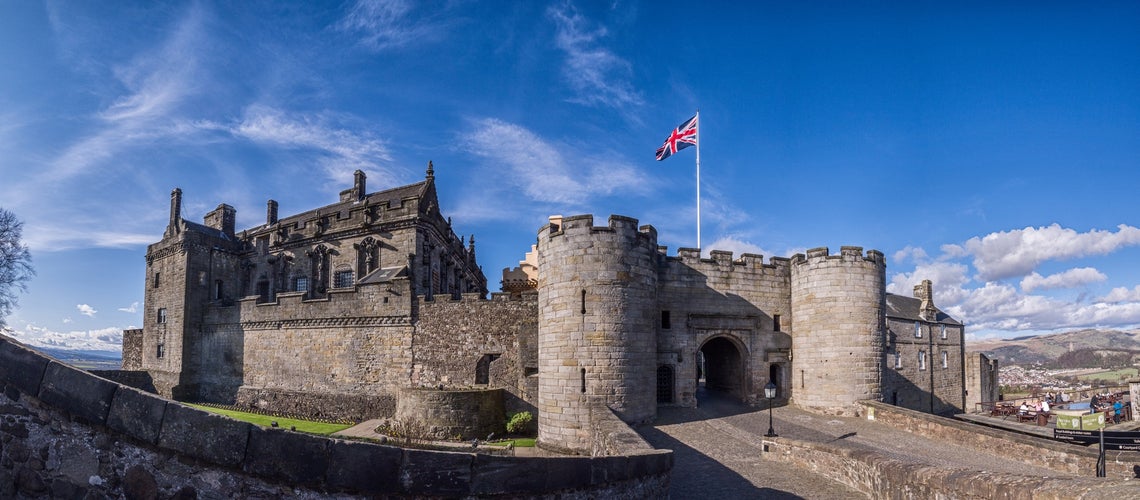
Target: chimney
358, 179
271, 212
925, 292
175, 223
222, 219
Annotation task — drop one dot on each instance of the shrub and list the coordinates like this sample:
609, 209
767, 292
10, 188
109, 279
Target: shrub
519, 422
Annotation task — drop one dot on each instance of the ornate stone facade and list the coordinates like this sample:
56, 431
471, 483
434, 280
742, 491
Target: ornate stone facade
335, 310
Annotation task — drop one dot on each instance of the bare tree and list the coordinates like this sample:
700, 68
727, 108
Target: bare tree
15, 263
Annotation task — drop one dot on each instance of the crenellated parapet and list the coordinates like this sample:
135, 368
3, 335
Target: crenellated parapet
851, 254
618, 226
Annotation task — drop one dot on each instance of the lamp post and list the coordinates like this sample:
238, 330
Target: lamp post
770, 393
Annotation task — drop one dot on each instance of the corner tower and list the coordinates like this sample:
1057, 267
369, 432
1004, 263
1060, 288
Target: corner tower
597, 343
838, 303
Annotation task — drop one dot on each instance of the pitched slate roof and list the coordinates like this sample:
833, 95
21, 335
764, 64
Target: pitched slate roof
907, 308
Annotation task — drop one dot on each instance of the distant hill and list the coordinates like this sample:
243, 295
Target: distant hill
88, 360
1046, 348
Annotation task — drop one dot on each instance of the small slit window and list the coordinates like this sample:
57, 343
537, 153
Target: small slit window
583, 310
156, 279
161, 317
583, 381
665, 323
775, 322
945, 360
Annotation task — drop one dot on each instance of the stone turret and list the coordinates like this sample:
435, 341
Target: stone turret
223, 219
597, 343
838, 304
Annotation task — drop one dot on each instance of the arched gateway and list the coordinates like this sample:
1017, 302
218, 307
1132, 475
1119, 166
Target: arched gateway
723, 367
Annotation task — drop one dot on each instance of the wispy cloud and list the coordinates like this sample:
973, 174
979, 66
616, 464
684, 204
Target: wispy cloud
86, 310
389, 24
134, 307
1068, 279
539, 168
597, 76
1018, 252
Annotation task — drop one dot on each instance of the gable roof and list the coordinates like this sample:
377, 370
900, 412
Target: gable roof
902, 307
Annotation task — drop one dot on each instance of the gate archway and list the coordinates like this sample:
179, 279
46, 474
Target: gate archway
723, 367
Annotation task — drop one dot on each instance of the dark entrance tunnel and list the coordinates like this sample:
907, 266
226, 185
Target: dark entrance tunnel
723, 370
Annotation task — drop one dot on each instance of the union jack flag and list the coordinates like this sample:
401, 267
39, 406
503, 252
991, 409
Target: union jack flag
683, 136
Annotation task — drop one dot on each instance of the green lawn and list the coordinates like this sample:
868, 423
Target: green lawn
519, 442
264, 421
1112, 376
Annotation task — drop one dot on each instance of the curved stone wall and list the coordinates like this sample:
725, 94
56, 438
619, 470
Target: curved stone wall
597, 295
837, 341
66, 433
447, 414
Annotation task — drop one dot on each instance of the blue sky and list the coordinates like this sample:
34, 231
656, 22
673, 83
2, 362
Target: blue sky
990, 147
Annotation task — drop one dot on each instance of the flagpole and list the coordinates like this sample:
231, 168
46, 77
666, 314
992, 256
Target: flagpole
698, 180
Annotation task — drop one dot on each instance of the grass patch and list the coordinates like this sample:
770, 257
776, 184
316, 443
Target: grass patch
1111, 376
265, 421
519, 442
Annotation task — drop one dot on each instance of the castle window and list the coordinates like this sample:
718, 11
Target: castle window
583, 381
160, 351
343, 279
664, 384
583, 307
263, 291
898, 360
945, 360
917, 330
218, 287
161, 318
921, 360
775, 322
156, 281
942, 330
665, 324
300, 284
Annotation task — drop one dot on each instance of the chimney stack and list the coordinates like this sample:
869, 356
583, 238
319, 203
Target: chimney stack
925, 292
271, 212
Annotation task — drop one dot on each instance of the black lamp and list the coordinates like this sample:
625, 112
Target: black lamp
770, 393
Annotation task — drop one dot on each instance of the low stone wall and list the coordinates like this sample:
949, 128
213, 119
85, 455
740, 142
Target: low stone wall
139, 379
1036, 451
447, 414
355, 407
65, 433
611, 436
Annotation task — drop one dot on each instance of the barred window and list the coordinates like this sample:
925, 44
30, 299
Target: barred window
343, 279
301, 284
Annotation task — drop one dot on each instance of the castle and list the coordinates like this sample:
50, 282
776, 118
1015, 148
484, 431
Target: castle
334, 311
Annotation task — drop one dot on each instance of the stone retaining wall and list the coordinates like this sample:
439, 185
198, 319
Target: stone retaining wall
448, 414
1041, 452
65, 433
327, 406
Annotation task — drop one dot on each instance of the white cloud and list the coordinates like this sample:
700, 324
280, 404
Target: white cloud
134, 307
1069, 279
386, 24
66, 320
1018, 252
737, 246
86, 310
916, 254
1121, 294
539, 169
598, 76
103, 339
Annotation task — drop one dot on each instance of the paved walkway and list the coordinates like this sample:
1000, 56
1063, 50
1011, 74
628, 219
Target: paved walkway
717, 451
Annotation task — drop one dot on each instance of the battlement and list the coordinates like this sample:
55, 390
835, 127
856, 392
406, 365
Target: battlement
846, 253
584, 224
722, 259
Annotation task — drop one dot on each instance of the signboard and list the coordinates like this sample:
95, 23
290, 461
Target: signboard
1113, 440
1092, 421
1068, 421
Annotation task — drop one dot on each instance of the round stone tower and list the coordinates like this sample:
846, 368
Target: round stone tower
838, 305
597, 336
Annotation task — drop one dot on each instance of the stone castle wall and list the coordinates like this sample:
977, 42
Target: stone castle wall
982, 381
838, 306
459, 340
69, 434
721, 297
132, 349
597, 325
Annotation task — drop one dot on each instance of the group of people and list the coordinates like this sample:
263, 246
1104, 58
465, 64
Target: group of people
1102, 402
1040, 410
